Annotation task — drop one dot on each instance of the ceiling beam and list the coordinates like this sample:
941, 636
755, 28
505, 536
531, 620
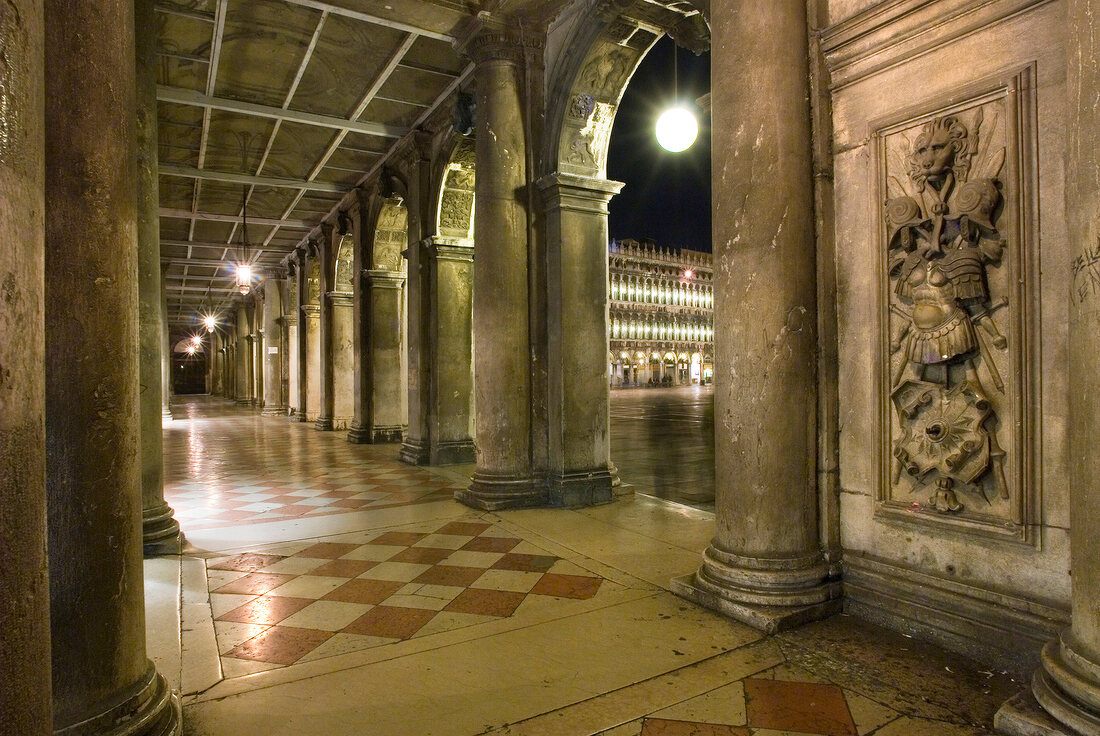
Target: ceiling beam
217, 217
368, 18
189, 172
182, 96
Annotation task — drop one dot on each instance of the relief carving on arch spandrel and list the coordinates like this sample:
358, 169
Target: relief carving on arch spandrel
944, 201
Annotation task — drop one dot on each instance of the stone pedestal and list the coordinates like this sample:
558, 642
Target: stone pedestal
343, 361
380, 412
451, 386
502, 374
579, 395
1067, 685
765, 565
273, 350
311, 326
102, 681
25, 610
160, 531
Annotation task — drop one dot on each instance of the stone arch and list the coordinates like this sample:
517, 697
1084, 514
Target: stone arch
391, 236
454, 210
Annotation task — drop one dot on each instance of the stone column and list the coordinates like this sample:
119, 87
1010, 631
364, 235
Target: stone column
419, 304
25, 611
327, 259
160, 531
451, 389
342, 332
243, 355
579, 395
361, 218
293, 365
310, 331
765, 565
165, 350
1067, 685
502, 375
217, 387
102, 680
273, 348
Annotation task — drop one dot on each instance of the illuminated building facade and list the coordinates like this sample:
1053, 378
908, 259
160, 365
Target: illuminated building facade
661, 315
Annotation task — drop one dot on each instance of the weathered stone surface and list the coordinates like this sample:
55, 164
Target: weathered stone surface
24, 617
101, 676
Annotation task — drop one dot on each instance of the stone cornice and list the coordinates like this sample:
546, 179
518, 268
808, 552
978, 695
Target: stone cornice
894, 31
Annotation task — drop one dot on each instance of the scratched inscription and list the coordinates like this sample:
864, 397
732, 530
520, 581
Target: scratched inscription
1086, 273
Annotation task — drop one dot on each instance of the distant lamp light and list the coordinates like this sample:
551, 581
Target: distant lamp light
688, 273
190, 349
677, 129
244, 278
209, 322
196, 340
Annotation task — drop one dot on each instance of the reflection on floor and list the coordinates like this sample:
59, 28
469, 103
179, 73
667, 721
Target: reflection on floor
662, 440
426, 617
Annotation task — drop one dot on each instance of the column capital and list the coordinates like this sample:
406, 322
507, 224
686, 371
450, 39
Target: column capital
451, 249
485, 41
384, 279
577, 193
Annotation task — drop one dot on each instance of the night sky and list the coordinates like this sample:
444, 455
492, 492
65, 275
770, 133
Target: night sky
667, 195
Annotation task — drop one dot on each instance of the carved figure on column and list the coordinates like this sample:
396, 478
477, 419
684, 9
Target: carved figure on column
942, 236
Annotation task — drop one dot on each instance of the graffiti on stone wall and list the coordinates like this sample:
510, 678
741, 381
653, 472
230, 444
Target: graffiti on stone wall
945, 200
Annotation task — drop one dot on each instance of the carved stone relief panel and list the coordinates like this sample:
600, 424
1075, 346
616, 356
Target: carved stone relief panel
313, 282
292, 292
456, 201
390, 236
958, 277
344, 260
591, 109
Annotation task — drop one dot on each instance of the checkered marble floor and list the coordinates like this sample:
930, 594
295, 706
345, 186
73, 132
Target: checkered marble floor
226, 466
308, 600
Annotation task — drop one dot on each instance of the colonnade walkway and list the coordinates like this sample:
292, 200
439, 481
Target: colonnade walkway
327, 588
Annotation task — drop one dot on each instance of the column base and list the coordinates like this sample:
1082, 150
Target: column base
166, 414
496, 492
379, 435
1067, 686
243, 402
323, 424
160, 532
1021, 715
274, 411
452, 453
154, 711
413, 452
579, 489
301, 416
769, 594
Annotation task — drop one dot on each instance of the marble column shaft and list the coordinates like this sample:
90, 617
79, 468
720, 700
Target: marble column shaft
292, 345
160, 531
579, 395
502, 345
383, 357
1067, 685
25, 706
273, 338
343, 361
765, 565
327, 259
303, 334
451, 384
102, 681
165, 351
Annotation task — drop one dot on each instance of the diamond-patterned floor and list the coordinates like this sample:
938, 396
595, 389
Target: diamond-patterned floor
344, 592
311, 600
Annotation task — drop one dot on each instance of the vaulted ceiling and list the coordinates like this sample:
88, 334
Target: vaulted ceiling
285, 105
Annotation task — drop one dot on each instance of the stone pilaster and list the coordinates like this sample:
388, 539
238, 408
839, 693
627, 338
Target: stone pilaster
327, 260
165, 351
451, 394
341, 305
25, 611
381, 417
505, 475
765, 565
419, 306
293, 364
243, 355
102, 681
273, 341
577, 321
1067, 684
160, 531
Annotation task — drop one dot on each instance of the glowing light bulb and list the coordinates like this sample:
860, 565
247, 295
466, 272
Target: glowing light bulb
244, 278
196, 340
677, 129
209, 322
